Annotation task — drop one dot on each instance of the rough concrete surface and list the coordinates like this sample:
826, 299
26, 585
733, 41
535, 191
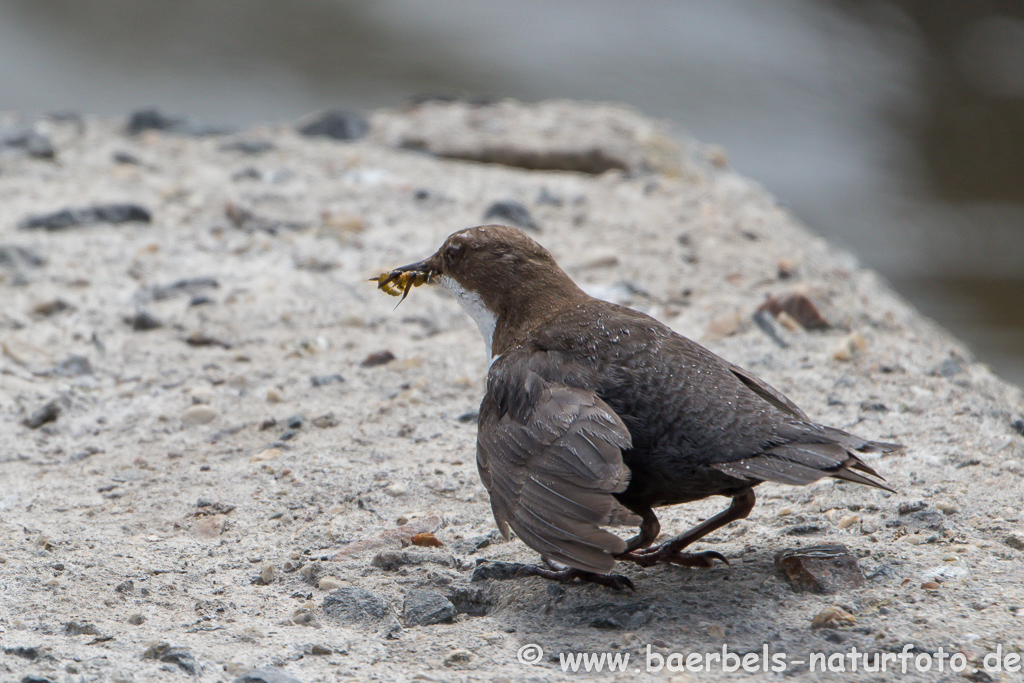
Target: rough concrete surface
209, 467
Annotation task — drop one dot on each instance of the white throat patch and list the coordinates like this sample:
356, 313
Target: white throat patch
473, 304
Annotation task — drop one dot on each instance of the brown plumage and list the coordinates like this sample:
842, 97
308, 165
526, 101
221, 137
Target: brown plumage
590, 406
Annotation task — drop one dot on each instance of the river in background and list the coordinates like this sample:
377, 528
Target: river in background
894, 128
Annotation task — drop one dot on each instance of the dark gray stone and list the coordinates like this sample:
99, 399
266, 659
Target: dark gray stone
351, 605
15, 257
499, 571
615, 616
48, 413
336, 124
251, 147
189, 286
511, 212
143, 320
267, 674
391, 560
73, 366
100, 213
325, 380
425, 607
178, 656
472, 600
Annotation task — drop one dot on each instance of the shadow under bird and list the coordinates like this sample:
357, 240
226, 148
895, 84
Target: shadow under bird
591, 407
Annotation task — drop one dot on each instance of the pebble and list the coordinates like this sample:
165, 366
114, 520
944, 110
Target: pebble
265, 455
848, 520
267, 674
336, 124
397, 489
274, 395
831, 615
151, 119
1014, 466
179, 656
824, 569
50, 307
189, 286
99, 213
459, 657
198, 414
851, 345
329, 583
48, 413
136, 619
947, 508
142, 320
325, 421
799, 307
325, 380
510, 212
499, 571
724, 325
391, 560
426, 607
266, 576
378, 358
1015, 541
211, 526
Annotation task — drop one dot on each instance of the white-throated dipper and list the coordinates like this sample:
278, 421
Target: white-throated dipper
590, 405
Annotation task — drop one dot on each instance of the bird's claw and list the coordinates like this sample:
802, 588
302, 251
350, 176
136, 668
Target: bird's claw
668, 555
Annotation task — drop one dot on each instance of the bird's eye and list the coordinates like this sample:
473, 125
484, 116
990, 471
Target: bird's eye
452, 254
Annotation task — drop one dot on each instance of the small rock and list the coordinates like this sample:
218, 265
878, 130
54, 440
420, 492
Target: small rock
475, 602
136, 619
397, 489
426, 607
1015, 541
723, 325
767, 324
831, 615
143, 320
36, 678
151, 119
179, 656
378, 358
616, 616
14, 257
869, 525
391, 537
250, 147
511, 212
35, 144
848, 520
849, 346
266, 576
267, 674
265, 455
822, 569
274, 395
947, 508
329, 583
391, 560
468, 418
199, 414
911, 506
949, 368
1018, 425
797, 306
336, 124
352, 605
73, 366
325, 421
459, 657
48, 413
200, 338
945, 573
931, 585
74, 628
185, 287
325, 380
100, 213
211, 526
51, 307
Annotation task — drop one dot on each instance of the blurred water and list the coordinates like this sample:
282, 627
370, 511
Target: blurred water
894, 128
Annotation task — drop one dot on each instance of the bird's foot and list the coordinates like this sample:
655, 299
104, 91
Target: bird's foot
568, 574
668, 554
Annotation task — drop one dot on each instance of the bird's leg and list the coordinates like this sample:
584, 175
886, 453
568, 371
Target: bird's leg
671, 551
649, 530
568, 574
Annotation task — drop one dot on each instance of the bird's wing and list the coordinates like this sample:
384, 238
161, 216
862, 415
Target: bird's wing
550, 457
767, 392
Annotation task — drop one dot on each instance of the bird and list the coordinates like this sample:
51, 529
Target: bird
594, 412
